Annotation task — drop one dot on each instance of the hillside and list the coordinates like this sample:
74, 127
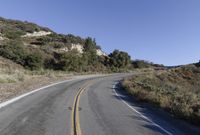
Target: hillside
35, 47
176, 89
36, 36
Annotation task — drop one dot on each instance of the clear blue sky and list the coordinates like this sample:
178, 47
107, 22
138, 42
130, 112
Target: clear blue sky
161, 31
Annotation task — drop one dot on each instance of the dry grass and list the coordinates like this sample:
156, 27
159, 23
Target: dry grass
14, 80
176, 90
10, 72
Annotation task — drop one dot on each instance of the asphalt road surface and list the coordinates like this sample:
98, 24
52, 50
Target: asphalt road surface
87, 106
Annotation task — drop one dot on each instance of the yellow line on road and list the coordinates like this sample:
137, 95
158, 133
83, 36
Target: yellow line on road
75, 117
72, 115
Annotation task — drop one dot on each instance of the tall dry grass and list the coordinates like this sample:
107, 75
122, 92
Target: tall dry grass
176, 90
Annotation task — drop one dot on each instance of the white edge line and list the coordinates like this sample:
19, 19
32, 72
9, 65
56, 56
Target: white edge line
141, 115
3, 104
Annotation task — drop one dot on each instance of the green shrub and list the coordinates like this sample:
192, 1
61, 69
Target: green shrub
16, 52
70, 61
33, 61
27, 27
13, 50
13, 34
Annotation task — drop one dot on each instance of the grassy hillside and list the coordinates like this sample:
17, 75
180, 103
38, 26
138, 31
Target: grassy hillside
35, 48
177, 90
13, 29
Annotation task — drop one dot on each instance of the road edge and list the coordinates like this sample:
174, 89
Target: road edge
141, 115
12, 100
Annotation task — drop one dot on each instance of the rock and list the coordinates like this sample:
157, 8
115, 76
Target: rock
37, 34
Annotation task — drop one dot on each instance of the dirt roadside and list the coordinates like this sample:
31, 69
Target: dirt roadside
11, 90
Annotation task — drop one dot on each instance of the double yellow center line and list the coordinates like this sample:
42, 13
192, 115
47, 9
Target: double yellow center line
75, 120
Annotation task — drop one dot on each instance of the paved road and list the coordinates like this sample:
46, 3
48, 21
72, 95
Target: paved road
90, 106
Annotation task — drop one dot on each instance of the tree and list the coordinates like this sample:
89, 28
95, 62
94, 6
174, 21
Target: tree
90, 54
119, 59
90, 45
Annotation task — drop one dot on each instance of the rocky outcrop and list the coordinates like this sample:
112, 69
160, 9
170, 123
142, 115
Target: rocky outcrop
80, 48
37, 34
101, 53
1, 37
77, 47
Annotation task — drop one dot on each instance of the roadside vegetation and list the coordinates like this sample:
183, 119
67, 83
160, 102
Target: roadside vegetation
29, 62
88, 61
50, 57
15, 80
52, 51
177, 90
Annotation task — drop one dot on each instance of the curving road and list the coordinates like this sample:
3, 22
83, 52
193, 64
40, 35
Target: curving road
87, 106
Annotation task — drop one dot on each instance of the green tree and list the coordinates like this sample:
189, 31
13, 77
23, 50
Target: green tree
90, 54
90, 45
119, 59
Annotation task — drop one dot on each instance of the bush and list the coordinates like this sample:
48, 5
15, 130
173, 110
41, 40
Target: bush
16, 52
33, 61
141, 64
179, 95
27, 27
70, 61
13, 50
13, 34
